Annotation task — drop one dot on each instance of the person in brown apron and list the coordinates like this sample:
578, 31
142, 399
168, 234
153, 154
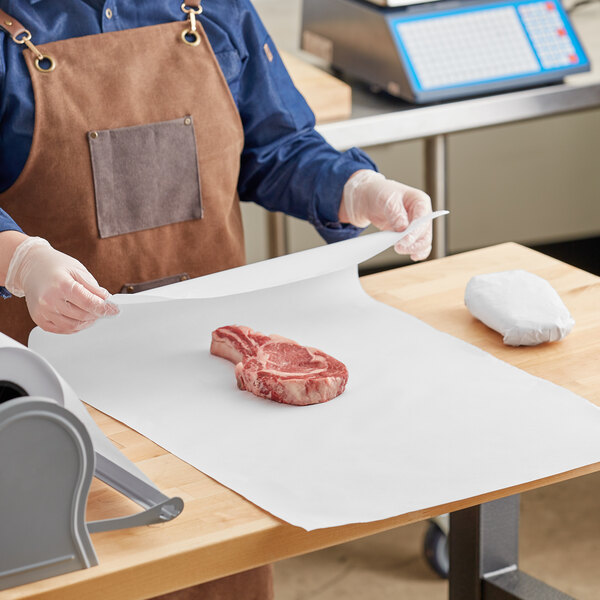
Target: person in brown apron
110, 212
139, 161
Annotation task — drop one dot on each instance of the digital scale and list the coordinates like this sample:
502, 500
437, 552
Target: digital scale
431, 51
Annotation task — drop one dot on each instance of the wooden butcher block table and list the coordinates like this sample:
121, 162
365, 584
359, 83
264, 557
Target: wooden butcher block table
220, 533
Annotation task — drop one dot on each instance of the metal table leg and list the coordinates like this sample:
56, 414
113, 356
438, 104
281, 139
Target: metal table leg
436, 187
484, 556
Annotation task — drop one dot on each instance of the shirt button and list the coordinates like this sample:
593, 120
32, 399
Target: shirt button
108, 13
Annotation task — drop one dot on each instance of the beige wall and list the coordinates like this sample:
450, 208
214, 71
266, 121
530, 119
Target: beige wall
529, 182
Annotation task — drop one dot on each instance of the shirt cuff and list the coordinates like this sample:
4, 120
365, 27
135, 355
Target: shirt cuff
328, 195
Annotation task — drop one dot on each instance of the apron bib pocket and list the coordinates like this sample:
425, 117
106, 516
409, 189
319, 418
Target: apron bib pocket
145, 176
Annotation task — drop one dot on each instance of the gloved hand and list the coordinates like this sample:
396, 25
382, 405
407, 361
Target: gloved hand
371, 198
61, 294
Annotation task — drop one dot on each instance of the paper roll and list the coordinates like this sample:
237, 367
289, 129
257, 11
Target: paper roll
24, 373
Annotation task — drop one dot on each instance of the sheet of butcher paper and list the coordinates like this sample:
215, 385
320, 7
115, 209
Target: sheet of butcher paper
426, 419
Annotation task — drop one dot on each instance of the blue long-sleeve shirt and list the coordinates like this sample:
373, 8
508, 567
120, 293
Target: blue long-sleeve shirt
286, 165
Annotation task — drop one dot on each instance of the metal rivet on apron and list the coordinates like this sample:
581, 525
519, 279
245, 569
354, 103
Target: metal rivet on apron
184, 278
108, 13
94, 135
130, 289
187, 121
9, 23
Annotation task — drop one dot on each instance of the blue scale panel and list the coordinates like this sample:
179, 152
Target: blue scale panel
487, 47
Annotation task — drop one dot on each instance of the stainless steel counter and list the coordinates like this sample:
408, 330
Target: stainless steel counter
380, 120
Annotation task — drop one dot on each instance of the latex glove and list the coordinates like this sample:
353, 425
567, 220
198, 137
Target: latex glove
62, 296
371, 198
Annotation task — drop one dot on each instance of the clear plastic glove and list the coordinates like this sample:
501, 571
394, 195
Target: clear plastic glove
371, 198
61, 294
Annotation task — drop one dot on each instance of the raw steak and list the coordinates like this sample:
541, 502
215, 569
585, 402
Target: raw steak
279, 369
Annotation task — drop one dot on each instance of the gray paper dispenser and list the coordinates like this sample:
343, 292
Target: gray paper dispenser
50, 448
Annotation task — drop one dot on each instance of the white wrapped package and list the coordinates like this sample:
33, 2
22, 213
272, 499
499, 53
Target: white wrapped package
521, 306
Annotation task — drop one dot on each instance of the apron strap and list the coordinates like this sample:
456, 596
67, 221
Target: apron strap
12, 26
15, 29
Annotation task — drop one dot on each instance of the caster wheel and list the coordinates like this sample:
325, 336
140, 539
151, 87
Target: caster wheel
435, 549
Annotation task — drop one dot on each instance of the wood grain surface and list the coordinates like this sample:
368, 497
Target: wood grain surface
221, 533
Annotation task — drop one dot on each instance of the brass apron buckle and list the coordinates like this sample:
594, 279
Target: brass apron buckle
190, 36
44, 63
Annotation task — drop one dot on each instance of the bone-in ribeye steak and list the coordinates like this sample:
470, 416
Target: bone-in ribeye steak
273, 367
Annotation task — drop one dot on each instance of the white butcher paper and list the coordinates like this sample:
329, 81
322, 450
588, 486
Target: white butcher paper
426, 419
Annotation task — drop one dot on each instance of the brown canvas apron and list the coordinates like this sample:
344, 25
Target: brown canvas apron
135, 159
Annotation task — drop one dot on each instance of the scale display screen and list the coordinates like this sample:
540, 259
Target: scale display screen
486, 45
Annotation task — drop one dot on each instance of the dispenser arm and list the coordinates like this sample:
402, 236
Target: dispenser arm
159, 508
165, 511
